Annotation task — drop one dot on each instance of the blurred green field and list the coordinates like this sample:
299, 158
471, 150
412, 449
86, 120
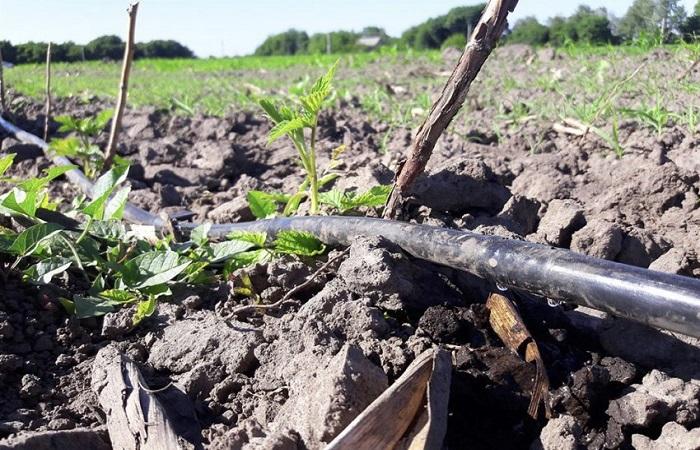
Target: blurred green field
212, 86
596, 85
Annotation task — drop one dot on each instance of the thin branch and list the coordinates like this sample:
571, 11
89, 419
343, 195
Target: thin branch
252, 308
688, 70
3, 107
47, 115
482, 41
123, 89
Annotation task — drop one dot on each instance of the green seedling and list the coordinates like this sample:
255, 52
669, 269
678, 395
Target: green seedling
79, 145
122, 266
296, 122
293, 121
655, 117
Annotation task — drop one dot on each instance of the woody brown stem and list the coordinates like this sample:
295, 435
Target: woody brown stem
482, 41
47, 115
111, 150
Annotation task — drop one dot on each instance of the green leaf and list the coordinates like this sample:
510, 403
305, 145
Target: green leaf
152, 268
246, 259
293, 203
23, 202
144, 309
334, 198
224, 250
323, 84
271, 110
285, 127
200, 234
88, 306
68, 305
376, 196
6, 162
68, 147
28, 240
43, 271
297, 242
115, 205
68, 123
51, 173
103, 189
111, 230
254, 237
102, 119
118, 296
327, 179
261, 204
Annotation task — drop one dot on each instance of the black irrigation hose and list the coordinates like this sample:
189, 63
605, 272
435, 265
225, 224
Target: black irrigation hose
663, 300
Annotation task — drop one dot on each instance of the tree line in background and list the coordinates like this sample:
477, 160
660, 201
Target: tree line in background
655, 21
101, 48
660, 21
433, 33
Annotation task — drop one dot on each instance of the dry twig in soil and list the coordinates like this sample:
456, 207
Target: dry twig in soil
311, 278
3, 107
123, 89
47, 116
482, 41
509, 326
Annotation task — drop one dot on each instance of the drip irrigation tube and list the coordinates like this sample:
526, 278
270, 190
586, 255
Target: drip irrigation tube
659, 299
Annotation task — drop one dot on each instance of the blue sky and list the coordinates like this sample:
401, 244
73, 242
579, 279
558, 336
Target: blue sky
234, 27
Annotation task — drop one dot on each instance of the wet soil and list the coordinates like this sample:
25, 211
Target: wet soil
285, 380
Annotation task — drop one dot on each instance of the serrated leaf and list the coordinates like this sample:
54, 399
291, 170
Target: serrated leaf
376, 196
29, 239
261, 204
200, 234
68, 123
43, 271
68, 147
102, 119
254, 237
286, 126
271, 110
246, 259
152, 268
334, 198
222, 251
144, 309
6, 162
116, 204
297, 242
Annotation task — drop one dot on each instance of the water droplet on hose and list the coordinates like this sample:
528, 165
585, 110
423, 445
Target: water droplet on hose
493, 262
501, 288
554, 303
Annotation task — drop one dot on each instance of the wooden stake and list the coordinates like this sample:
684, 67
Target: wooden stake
3, 107
47, 116
123, 89
482, 41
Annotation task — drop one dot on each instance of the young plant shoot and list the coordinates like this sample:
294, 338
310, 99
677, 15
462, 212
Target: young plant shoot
300, 124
